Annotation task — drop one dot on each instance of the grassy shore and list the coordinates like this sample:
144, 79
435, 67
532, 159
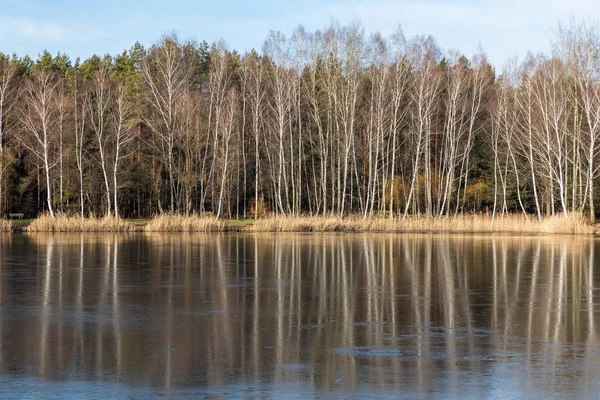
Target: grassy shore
518, 224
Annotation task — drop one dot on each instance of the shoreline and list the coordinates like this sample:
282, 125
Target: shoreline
464, 224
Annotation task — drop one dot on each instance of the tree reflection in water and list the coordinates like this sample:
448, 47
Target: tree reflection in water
317, 313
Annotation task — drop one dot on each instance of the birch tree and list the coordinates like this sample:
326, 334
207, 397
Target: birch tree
39, 118
424, 97
79, 103
123, 135
167, 73
227, 134
578, 44
98, 109
253, 75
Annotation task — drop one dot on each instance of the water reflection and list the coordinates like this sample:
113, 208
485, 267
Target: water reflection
273, 314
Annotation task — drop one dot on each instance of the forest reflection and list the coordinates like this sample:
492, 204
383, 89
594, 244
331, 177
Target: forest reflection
327, 312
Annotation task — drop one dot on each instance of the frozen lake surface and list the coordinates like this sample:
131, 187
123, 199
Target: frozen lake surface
298, 316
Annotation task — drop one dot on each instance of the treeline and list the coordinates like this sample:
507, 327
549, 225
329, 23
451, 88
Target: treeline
330, 122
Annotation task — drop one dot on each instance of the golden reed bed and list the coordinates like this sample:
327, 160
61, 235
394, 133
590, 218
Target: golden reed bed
182, 223
159, 223
5, 225
574, 224
63, 223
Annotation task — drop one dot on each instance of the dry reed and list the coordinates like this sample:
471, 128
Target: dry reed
574, 224
64, 223
182, 223
5, 225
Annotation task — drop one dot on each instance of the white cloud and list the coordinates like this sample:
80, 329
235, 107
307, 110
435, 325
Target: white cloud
29, 29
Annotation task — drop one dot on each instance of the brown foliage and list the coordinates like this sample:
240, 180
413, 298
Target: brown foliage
258, 208
475, 192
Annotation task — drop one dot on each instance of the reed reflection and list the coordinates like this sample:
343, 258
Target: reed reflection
332, 312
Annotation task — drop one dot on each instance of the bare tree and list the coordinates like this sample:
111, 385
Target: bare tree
253, 75
551, 98
218, 83
39, 117
61, 106
79, 109
227, 134
578, 44
479, 79
316, 111
424, 97
378, 123
351, 56
400, 85
167, 73
98, 109
281, 104
525, 105
123, 134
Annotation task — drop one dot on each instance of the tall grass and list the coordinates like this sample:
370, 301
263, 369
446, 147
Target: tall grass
64, 223
574, 224
5, 225
182, 223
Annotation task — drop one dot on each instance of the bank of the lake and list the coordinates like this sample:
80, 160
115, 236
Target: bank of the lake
470, 223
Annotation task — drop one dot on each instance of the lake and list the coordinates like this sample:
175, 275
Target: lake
298, 316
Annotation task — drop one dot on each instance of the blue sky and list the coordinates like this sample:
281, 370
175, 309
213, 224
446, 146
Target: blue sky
504, 28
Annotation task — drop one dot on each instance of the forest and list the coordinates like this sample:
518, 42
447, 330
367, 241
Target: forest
332, 122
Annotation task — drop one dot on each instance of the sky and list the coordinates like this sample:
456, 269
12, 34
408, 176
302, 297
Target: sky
504, 28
